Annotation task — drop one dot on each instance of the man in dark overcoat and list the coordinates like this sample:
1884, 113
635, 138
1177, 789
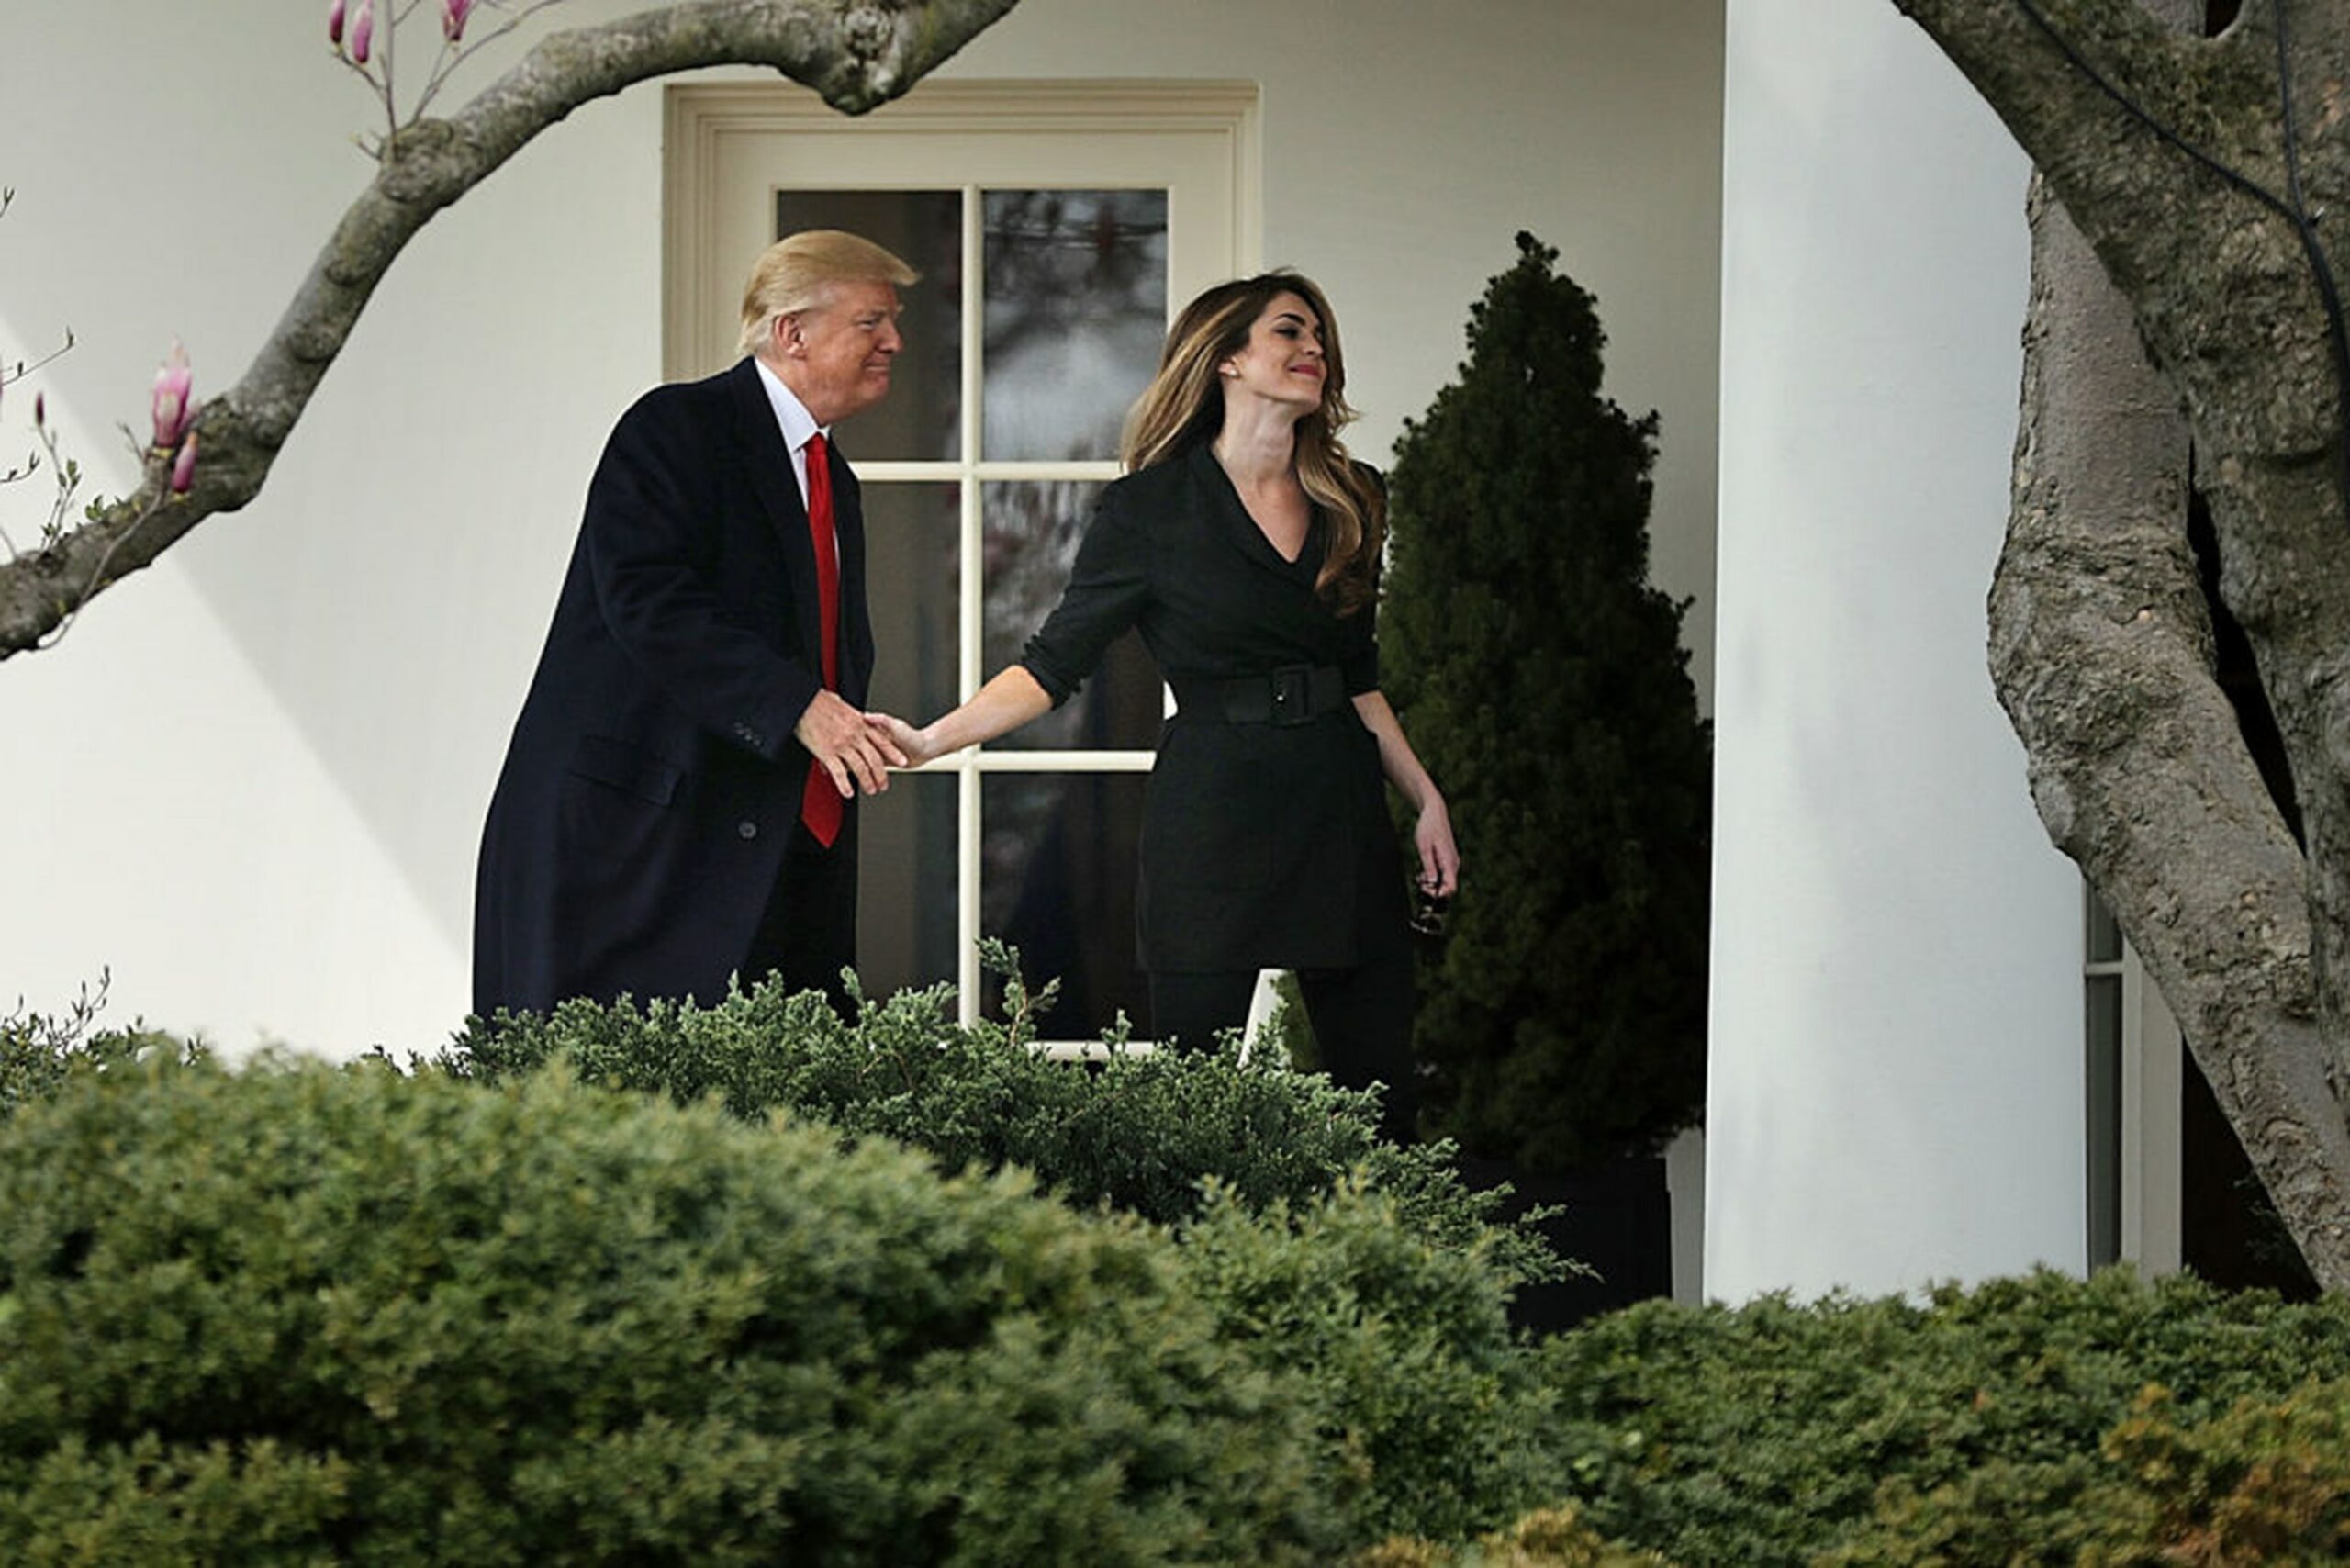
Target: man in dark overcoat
678, 801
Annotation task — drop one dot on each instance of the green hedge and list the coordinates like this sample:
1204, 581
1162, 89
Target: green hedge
41, 1053
1404, 1352
1548, 1538
309, 1314
296, 1315
1366, 1272
1982, 1425
302, 1313
1140, 1131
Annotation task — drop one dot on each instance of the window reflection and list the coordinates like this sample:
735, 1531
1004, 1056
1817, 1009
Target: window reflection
1076, 305
1030, 532
1056, 880
921, 417
905, 900
911, 534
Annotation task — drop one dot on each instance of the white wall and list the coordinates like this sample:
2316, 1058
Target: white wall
251, 779
1895, 1086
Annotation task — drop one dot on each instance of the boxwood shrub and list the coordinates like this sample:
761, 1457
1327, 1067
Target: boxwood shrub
2011, 1422
41, 1052
1366, 1272
303, 1313
1140, 1131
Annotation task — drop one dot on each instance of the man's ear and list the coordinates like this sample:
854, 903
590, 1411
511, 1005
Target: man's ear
787, 339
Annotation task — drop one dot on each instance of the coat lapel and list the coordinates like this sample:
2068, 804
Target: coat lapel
769, 461
1230, 519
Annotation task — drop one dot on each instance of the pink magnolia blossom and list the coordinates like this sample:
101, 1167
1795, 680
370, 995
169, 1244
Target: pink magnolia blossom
183, 466
40, 407
334, 24
173, 409
362, 30
453, 17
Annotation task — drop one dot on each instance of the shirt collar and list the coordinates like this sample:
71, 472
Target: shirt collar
792, 416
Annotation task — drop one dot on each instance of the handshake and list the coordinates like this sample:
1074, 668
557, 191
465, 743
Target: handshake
859, 748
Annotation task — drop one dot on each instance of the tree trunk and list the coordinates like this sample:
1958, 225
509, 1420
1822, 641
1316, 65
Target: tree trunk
2101, 647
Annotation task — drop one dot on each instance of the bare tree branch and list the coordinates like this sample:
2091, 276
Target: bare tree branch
857, 54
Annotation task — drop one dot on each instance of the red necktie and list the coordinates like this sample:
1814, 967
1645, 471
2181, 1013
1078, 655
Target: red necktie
821, 805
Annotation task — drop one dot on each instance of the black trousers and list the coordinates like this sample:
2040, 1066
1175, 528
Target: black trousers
1361, 1018
808, 932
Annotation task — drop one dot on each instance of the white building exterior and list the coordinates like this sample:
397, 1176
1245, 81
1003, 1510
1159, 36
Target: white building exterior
249, 782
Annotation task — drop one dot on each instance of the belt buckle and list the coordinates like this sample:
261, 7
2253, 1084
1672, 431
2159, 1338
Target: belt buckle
1291, 691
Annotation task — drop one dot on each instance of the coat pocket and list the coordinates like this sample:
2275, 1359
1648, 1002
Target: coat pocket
619, 766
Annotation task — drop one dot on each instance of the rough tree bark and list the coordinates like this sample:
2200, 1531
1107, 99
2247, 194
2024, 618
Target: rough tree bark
859, 54
2101, 647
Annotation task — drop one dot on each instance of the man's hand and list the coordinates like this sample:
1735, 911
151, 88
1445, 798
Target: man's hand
852, 752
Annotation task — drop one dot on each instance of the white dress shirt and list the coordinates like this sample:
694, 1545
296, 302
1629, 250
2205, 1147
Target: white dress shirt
792, 417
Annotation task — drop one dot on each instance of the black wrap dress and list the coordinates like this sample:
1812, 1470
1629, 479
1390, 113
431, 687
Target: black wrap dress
1265, 843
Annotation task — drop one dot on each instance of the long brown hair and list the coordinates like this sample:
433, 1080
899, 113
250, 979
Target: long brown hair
1183, 408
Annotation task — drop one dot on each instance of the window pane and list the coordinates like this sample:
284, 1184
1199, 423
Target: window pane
921, 417
1056, 880
2103, 1074
911, 537
2104, 932
1030, 534
1076, 305
905, 899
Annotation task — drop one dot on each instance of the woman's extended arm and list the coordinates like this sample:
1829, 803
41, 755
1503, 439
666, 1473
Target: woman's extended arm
1440, 857
1003, 705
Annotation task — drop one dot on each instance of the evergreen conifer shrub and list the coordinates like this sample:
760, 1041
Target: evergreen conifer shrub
1542, 680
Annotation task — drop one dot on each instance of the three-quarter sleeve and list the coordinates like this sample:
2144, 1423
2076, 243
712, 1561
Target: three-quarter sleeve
1107, 590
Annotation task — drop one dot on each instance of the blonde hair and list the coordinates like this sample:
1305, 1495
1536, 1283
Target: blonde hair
793, 274
1183, 407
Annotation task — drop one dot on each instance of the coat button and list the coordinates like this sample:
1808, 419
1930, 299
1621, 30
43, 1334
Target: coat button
747, 828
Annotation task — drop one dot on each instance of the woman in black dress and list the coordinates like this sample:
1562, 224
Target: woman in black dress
1245, 544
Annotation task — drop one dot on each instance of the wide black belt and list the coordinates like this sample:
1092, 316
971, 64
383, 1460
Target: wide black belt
1295, 695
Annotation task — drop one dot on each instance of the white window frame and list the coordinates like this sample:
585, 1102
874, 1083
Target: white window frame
1217, 120
2151, 1061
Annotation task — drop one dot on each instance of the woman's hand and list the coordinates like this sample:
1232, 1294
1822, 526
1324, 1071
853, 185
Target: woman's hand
1003, 705
1439, 856
915, 744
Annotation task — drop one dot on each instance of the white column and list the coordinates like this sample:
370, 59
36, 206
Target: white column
1895, 1091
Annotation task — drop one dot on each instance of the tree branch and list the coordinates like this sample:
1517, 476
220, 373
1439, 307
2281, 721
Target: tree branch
857, 54
2040, 63
2169, 216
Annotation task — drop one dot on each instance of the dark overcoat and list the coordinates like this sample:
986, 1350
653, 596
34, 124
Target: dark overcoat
1263, 845
640, 823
